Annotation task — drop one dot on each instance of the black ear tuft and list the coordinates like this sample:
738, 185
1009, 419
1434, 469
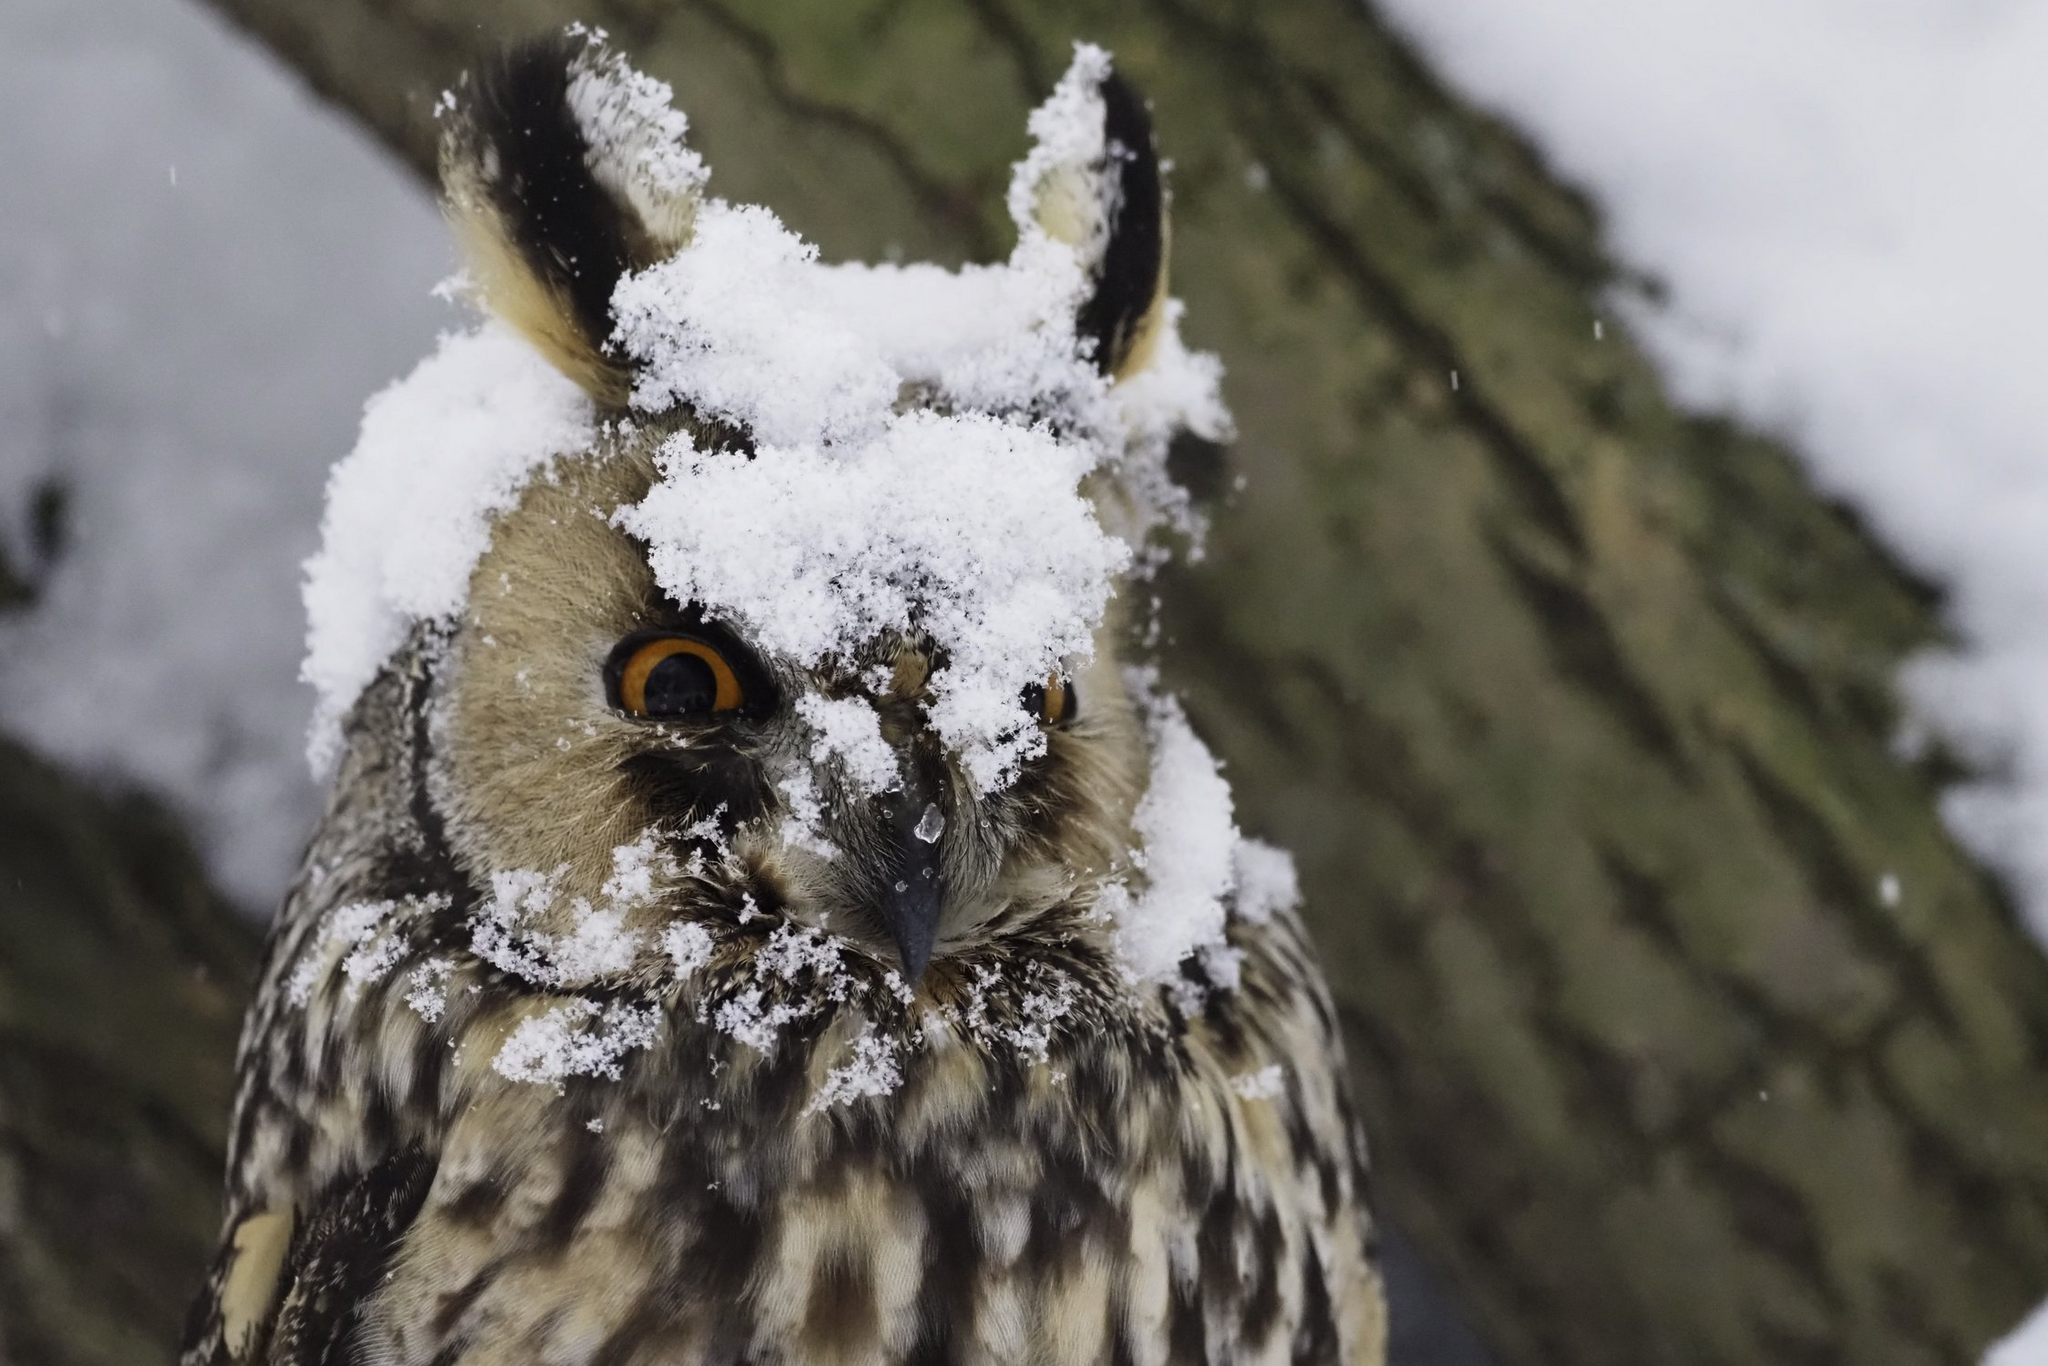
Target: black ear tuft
569, 231
550, 220
1130, 278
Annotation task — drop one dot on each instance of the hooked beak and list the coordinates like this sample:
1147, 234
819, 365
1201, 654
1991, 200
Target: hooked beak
914, 892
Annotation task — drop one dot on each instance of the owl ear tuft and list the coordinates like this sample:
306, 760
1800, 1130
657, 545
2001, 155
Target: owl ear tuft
562, 169
1093, 181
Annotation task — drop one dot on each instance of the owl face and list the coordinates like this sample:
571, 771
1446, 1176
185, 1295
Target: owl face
584, 707
793, 586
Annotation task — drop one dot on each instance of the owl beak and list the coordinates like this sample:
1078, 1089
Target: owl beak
914, 892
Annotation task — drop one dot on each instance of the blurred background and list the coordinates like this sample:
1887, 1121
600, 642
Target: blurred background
1814, 224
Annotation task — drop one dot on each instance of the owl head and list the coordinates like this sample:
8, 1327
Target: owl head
750, 585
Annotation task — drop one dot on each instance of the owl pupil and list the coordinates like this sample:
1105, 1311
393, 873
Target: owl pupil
680, 684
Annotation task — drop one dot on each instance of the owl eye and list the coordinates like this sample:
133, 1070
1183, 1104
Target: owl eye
671, 676
1053, 702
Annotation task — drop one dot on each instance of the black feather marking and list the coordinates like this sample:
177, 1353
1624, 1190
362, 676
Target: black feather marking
689, 783
339, 1259
952, 1265
454, 1305
570, 231
1262, 1305
479, 1203
583, 1176
1186, 1343
1127, 281
1316, 1339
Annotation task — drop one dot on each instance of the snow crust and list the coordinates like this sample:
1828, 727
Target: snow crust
1844, 201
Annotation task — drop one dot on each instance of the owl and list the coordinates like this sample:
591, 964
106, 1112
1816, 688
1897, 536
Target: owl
766, 911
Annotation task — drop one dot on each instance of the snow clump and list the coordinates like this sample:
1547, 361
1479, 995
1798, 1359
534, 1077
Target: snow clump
1193, 865
505, 931
408, 511
578, 1038
873, 1070
968, 527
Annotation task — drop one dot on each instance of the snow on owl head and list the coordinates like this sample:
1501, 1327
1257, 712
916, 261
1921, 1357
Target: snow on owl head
759, 915
813, 587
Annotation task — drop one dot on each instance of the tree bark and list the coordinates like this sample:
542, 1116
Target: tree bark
1575, 710
122, 979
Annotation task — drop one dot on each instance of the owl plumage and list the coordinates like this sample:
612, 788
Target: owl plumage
895, 1100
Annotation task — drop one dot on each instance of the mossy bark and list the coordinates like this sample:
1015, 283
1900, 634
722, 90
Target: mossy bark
1575, 709
121, 986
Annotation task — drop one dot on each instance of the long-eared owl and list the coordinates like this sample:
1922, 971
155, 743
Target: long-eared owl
766, 911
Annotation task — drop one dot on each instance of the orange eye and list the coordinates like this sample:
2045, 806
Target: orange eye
671, 676
1052, 701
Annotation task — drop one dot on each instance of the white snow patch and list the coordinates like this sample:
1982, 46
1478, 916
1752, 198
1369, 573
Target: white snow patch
1042, 1010
578, 1038
1050, 998
368, 936
794, 952
1067, 136
1187, 836
1223, 965
730, 327
1265, 1084
408, 511
636, 137
758, 1026
1266, 881
1193, 869
803, 814
688, 945
637, 870
505, 931
967, 527
2026, 1345
983, 338
850, 729
370, 961
874, 1070
1844, 202
426, 988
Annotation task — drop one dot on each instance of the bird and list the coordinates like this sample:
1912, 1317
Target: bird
615, 1018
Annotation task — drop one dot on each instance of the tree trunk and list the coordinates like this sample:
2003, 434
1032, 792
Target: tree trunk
121, 986
1574, 709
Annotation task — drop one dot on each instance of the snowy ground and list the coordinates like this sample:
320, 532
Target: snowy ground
202, 275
